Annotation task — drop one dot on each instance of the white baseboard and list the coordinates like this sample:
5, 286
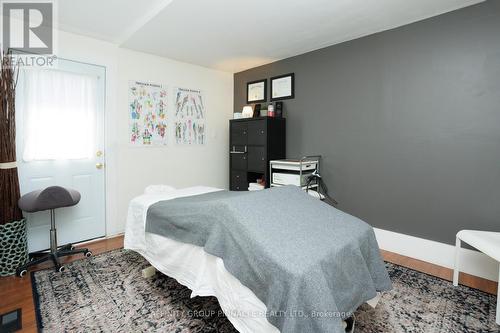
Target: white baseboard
90, 241
471, 262
119, 234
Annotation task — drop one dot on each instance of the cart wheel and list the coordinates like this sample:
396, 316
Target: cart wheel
61, 269
88, 254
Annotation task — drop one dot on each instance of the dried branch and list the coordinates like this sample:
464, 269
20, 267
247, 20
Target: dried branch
9, 180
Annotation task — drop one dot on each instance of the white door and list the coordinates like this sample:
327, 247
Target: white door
60, 141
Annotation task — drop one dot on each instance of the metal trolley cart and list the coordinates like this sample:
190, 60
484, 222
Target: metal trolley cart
294, 171
303, 172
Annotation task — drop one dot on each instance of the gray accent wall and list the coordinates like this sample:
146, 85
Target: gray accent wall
407, 120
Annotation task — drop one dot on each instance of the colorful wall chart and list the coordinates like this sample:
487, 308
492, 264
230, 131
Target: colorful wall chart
189, 117
147, 114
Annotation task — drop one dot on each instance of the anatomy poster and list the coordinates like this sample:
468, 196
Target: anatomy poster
147, 114
189, 117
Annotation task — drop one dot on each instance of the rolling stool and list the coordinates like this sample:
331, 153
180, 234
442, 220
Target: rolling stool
49, 199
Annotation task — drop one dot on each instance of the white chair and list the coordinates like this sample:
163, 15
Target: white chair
486, 242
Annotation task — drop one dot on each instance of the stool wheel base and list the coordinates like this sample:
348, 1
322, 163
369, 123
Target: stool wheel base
21, 273
40, 257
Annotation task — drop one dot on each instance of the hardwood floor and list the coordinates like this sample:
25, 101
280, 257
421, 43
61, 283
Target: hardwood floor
441, 272
16, 292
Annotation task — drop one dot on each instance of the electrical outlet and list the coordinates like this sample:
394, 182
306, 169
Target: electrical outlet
11, 321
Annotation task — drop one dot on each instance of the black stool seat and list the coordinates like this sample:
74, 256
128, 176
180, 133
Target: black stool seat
50, 199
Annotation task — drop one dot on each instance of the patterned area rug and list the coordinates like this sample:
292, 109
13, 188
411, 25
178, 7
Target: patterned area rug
107, 293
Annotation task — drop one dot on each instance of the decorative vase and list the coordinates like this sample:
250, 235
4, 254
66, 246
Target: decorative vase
13, 246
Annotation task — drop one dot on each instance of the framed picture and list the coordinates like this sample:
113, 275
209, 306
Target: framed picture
257, 91
283, 87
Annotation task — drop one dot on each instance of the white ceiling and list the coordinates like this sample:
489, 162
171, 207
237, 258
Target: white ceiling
234, 35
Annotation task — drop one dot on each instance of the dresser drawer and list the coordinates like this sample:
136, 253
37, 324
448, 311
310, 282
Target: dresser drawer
239, 161
239, 134
257, 133
239, 181
257, 158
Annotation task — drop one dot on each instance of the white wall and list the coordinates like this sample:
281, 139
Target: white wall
130, 169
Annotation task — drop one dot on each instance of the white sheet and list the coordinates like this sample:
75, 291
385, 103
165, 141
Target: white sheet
191, 266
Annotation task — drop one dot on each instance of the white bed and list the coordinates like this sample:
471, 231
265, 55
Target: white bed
191, 266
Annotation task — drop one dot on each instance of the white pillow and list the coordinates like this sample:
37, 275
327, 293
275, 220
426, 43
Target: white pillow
158, 189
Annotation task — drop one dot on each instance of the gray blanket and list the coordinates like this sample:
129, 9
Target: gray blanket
309, 263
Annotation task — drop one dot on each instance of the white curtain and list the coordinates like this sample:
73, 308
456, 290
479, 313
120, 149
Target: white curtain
59, 115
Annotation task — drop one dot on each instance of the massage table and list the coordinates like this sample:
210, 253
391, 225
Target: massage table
203, 273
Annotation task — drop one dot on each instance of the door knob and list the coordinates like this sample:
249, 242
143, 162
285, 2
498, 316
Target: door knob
98, 153
99, 165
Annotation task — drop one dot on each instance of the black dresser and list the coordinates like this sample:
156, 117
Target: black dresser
253, 143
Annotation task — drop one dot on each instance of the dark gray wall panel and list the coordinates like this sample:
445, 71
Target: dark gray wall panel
408, 122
